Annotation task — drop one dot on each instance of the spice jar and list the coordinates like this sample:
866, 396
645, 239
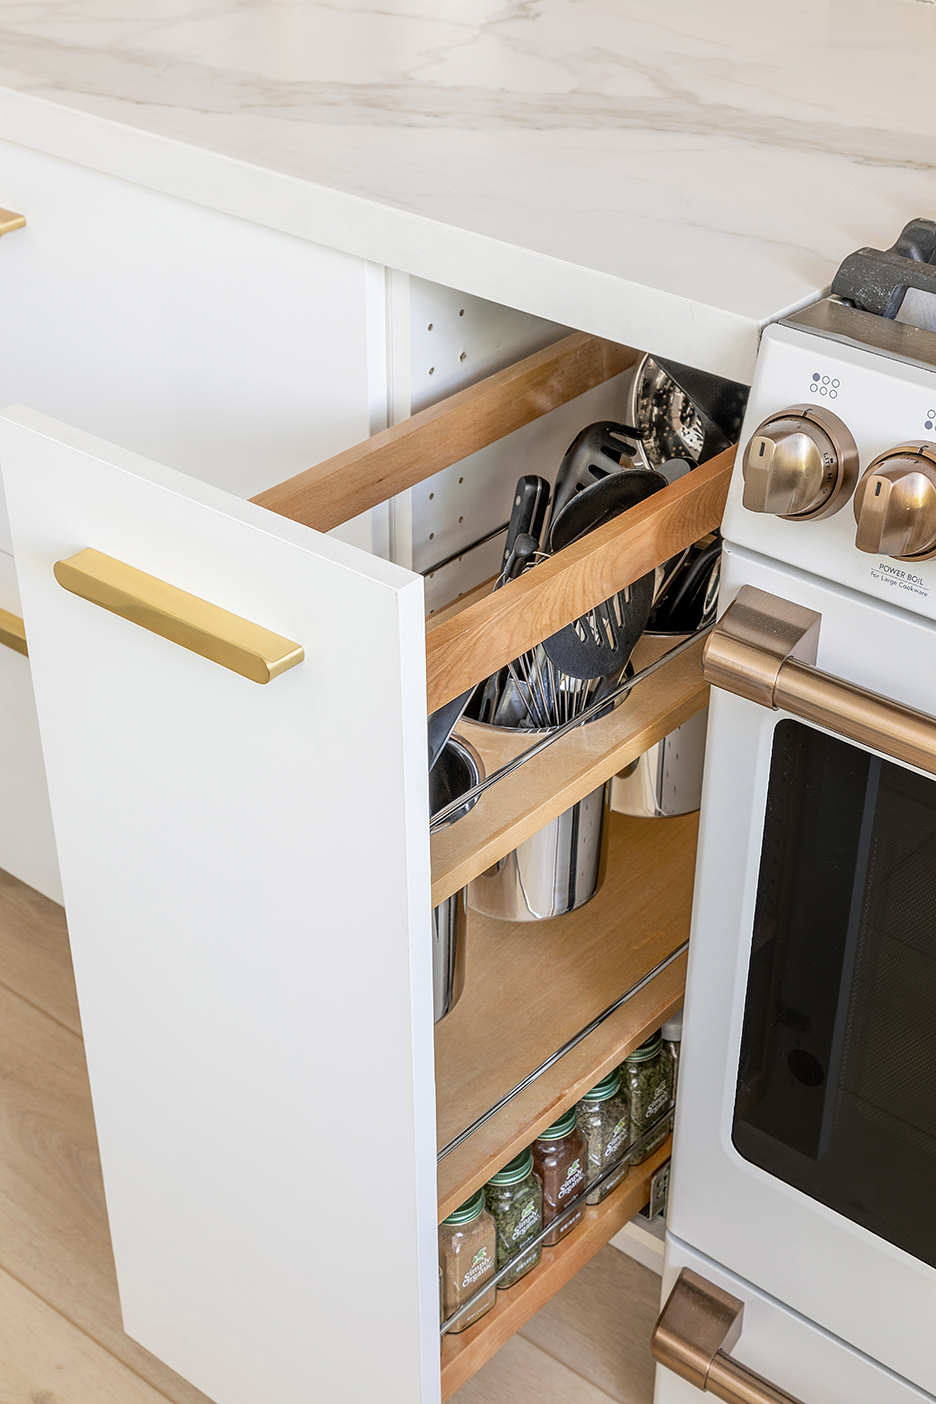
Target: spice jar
514, 1199
467, 1256
645, 1074
672, 1038
560, 1158
603, 1117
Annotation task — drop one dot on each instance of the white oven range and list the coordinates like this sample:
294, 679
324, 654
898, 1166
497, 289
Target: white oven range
804, 1167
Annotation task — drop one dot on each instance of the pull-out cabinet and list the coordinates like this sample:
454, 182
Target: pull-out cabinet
247, 879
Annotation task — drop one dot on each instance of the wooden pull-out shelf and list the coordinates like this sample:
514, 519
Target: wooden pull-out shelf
466, 1352
533, 795
531, 986
463, 649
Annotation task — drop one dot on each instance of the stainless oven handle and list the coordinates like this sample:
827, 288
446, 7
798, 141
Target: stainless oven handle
697, 1328
764, 648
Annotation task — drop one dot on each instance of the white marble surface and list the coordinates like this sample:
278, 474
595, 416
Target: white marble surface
663, 171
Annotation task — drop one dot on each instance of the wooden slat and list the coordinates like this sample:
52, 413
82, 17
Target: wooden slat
46, 1359
35, 957
465, 1353
54, 1235
545, 787
409, 452
463, 649
530, 986
600, 1325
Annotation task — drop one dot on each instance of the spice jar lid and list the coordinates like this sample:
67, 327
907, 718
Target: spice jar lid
562, 1127
646, 1050
672, 1029
604, 1089
515, 1170
469, 1210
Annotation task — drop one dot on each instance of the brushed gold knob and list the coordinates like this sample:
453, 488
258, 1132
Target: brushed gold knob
800, 464
895, 504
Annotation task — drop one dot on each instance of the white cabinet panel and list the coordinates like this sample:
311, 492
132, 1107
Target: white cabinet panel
246, 876
229, 351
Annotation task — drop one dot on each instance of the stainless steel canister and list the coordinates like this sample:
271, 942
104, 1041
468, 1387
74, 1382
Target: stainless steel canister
458, 768
554, 871
667, 779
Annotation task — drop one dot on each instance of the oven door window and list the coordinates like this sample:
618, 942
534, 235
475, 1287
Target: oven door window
837, 1074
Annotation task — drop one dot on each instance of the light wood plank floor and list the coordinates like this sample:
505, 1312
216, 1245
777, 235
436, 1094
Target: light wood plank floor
61, 1340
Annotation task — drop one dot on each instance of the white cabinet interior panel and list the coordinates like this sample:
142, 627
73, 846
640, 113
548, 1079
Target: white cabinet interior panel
27, 843
246, 873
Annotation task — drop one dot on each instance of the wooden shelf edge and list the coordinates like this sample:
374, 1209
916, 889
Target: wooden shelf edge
472, 1164
464, 1354
467, 647
524, 802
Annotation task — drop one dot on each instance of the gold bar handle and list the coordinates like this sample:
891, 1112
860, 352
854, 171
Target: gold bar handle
13, 632
763, 648
192, 623
697, 1328
10, 220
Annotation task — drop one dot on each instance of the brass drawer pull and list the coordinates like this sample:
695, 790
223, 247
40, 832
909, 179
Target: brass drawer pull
763, 649
185, 619
697, 1328
13, 632
10, 220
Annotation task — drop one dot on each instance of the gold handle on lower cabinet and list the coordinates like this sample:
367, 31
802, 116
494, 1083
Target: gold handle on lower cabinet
193, 623
763, 648
697, 1328
13, 632
10, 220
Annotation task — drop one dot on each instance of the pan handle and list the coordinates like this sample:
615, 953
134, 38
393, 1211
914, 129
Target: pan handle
764, 647
697, 1328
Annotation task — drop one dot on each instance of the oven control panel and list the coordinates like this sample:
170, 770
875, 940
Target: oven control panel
836, 465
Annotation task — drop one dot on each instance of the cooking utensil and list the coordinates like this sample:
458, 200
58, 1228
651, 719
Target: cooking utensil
528, 513
459, 769
443, 722
598, 450
681, 608
680, 412
606, 499
600, 642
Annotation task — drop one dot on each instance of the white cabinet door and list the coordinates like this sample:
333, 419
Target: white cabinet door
246, 877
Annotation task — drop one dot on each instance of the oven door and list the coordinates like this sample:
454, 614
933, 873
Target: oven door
805, 1155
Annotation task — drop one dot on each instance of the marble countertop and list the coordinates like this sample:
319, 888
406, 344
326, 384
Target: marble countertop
664, 172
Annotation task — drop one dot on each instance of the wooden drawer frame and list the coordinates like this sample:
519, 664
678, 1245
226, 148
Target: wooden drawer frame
464, 644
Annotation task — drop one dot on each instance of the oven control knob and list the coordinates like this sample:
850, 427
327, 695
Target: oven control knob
800, 464
895, 504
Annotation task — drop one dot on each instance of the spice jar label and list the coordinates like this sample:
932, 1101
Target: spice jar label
528, 1218
574, 1176
618, 1137
481, 1265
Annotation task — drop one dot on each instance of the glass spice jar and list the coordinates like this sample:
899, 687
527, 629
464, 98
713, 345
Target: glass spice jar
514, 1199
646, 1076
672, 1038
560, 1158
467, 1257
603, 1116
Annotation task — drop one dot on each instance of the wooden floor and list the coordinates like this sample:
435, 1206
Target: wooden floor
60, 1336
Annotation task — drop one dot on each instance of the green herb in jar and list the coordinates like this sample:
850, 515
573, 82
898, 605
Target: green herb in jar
514, 1199
647, 1077
603, 1117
